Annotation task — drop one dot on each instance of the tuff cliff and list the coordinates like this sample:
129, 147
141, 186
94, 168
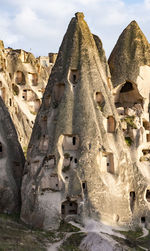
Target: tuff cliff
78, 164
11, 164
130, 70
23, 79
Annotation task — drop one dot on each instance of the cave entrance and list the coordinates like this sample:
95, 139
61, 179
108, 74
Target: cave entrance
69, 208
129, 95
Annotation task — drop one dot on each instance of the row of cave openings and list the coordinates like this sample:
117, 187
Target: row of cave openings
127, 96
70, 146
20, 78
27, 95
59, 91
133, 199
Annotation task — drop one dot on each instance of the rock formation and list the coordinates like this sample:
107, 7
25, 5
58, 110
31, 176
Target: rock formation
130, 70
78, 164
11, 164
22, 82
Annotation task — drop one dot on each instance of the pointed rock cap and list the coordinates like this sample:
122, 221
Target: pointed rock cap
131, 51
79, 15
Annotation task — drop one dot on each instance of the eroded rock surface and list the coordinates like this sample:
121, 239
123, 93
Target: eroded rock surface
78, 163
23, 79
11, 164
130, 68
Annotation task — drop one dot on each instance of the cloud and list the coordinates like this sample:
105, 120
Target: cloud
5, 29
28, 23
147, 3
40, 25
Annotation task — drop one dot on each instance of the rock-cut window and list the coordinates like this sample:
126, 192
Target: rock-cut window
1, 148
74, 76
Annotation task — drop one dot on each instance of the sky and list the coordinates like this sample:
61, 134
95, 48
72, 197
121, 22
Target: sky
38, 26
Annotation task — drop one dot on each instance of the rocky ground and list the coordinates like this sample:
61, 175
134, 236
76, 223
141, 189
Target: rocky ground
15, 236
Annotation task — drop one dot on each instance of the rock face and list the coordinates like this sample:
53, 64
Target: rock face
130, 68
78, 164
11, 164
22, 82
131, 51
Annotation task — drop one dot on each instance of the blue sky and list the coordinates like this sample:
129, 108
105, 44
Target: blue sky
39, 25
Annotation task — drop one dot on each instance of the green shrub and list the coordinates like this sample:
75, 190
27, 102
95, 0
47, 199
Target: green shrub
128, 141
130, 122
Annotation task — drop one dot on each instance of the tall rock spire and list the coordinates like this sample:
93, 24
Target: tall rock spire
131, 51
11, 164
78, 161
130, 70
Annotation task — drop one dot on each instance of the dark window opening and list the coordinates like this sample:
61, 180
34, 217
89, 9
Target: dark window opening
75, 161
74, 77
90, 146
143, 219
127, 87
84, 185
146, 151
132, 200
71, 158
132, 195
1, 148
56, 185
148, 195
10, 103
69, 207
74, 141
